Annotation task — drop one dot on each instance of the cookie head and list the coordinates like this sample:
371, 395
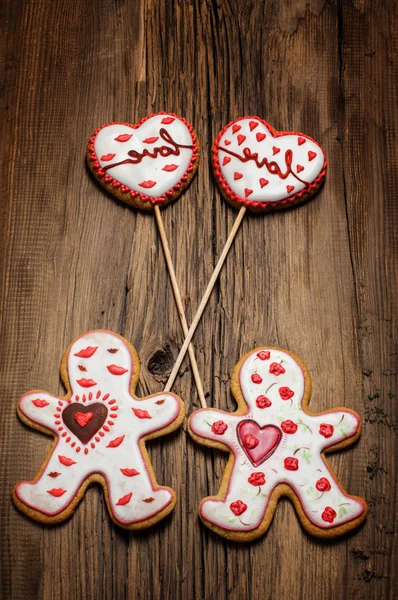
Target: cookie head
145, 164
263, 169
99, 360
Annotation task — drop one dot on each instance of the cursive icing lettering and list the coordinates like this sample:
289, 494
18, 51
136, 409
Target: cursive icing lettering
137, 157
271, 165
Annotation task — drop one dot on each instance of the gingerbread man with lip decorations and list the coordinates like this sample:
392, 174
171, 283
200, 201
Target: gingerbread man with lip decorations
100, 428
277, 449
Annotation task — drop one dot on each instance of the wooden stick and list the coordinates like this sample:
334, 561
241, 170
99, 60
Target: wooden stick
180, 307
205, 299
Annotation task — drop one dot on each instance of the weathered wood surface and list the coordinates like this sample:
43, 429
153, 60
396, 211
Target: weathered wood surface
319, 280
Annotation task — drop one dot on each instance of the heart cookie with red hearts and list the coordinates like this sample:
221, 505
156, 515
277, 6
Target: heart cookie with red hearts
263, 169
258, 443
145, 164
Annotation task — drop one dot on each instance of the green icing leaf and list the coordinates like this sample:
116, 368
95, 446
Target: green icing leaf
343, 431
263, 495
342, 512
232, 519
307, 457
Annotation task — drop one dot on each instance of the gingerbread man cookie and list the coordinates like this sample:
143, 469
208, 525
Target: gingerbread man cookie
99, 428
277, 449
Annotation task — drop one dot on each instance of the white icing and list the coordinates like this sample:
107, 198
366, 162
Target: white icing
149, 169
276, 188
102, 459
306, 444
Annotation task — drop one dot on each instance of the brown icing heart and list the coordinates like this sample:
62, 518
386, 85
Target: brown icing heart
84, 421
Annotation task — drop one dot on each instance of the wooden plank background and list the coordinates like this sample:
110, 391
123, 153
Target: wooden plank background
319, 280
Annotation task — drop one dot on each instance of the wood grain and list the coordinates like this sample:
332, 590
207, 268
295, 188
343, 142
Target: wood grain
320, 280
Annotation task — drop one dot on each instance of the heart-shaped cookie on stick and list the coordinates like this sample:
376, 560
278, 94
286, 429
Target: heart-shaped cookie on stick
259, 169
148, 165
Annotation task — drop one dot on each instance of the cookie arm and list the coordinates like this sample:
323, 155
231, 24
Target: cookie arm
41, 408
335, 426
216, 425
156, 412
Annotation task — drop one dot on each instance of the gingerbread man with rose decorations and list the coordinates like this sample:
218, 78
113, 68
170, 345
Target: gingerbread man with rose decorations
277, 449
100, 429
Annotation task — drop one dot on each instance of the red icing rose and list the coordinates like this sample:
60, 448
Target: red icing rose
276, 369
291, 464
286, 393
264, 355
219, 427
288, 427
323, 485
256, 378
329, 514
238, 507
250, 441
257, 478
326, 430
263, 402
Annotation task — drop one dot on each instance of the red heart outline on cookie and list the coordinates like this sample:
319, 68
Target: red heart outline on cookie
293, 164
258, 443
150, 162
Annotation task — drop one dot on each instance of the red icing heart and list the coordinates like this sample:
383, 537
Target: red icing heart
235, 128
260, 136
263, 182
150, 161
311, 155
301, 141
299, 168
275, 150
241, 139
83, 418
258, 443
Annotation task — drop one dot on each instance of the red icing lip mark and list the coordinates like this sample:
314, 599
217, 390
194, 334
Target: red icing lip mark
86, 352
115, 370
170, 168
129, 472
124, 499
86, 383
107, 157
141, 414
167, 120
123, 137
116, 442
64, 460
56, 492
81, 368
83, 418
113, 350
148, 500
151, 140
40, 403
147, 184
159, 402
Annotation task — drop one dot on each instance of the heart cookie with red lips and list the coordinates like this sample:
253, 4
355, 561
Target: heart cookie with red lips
145, 164
263, 169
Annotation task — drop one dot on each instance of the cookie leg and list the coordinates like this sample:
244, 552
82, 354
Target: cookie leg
243, 507
325, 502
132, 497
57, 485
